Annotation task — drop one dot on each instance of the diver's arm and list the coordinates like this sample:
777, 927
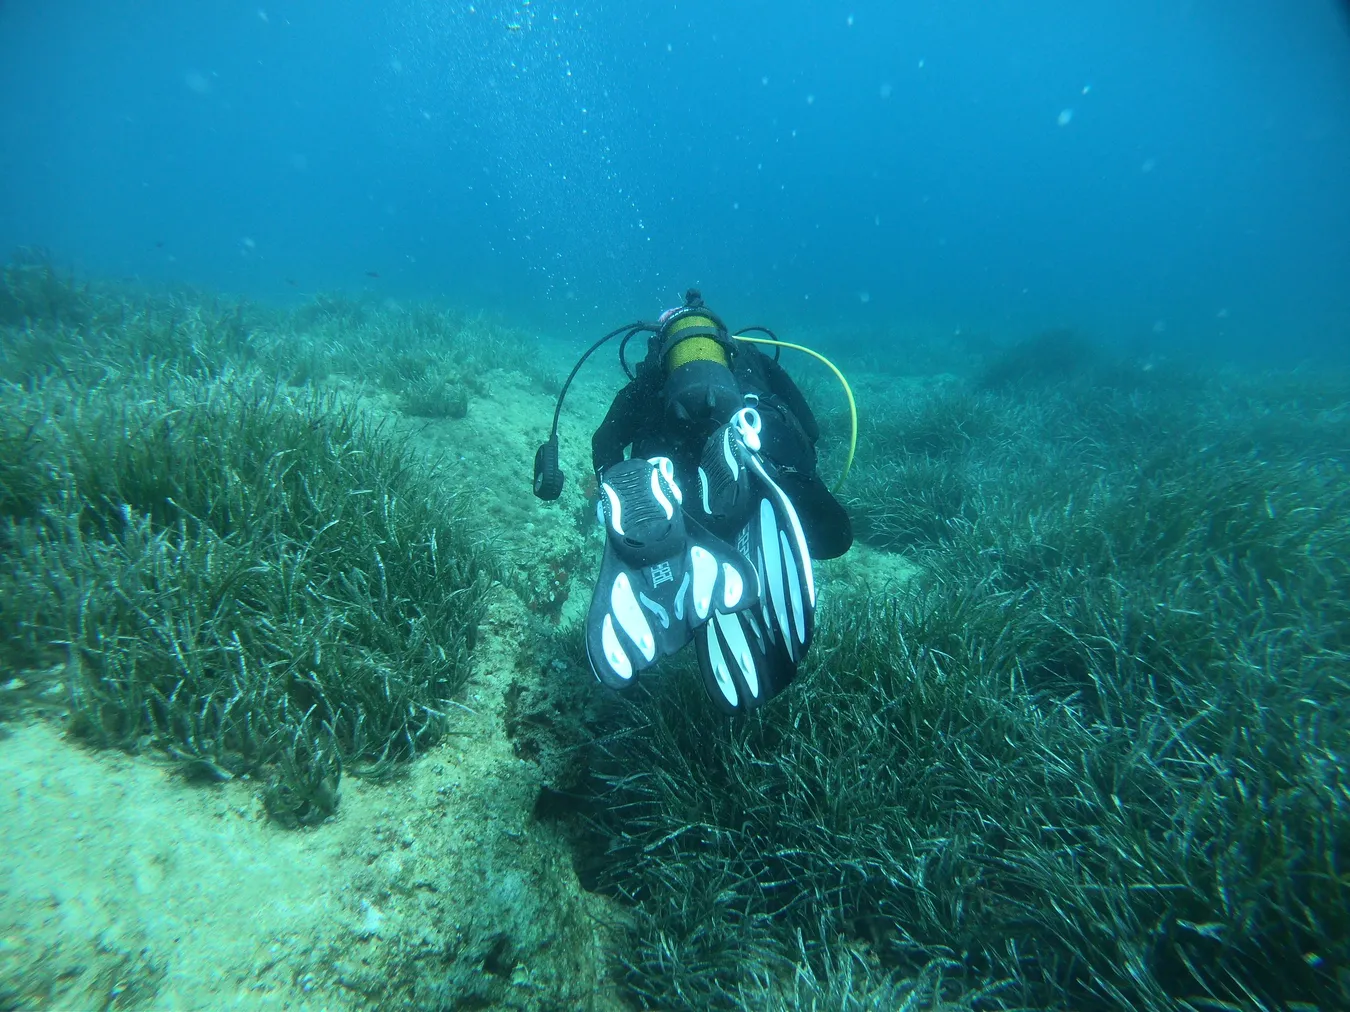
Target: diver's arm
619, 427
782, 387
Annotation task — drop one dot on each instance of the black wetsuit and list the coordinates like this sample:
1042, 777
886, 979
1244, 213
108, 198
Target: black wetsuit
788, 438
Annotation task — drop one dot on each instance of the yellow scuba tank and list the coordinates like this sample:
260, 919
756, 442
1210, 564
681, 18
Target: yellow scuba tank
699, 386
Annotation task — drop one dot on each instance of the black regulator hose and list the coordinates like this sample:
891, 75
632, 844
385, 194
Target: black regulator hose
548, 475
623, 347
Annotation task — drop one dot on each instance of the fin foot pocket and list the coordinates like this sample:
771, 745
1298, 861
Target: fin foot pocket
722, 501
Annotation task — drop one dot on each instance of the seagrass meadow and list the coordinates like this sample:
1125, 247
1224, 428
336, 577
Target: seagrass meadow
1087, 752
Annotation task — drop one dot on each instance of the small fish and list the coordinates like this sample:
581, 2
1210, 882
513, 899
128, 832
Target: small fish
372, 274
159, 244
292, 281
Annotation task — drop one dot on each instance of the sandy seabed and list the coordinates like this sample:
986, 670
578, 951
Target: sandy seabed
124, 885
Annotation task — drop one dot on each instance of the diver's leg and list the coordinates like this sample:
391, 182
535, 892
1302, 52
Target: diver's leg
829, 531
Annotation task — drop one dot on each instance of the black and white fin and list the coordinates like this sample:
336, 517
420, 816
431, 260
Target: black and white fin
662, 575
783, 564
742, 667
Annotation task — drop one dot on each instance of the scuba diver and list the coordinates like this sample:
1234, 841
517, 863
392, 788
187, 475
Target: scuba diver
713, 520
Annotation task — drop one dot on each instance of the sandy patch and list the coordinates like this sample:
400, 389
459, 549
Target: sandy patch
123, 886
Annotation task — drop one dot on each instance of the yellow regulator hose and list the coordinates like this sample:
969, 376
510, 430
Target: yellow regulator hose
852, 406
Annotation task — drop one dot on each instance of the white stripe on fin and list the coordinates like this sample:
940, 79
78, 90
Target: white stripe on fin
733, 587
618, 660
730, 627
795, 590
773, 571
798, 535
721, 673
679, 597
615, 509
626, 609
705, 575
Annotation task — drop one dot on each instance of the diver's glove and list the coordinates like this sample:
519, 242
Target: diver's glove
662, 574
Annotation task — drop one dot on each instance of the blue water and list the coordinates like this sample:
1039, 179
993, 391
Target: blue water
1165, 174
